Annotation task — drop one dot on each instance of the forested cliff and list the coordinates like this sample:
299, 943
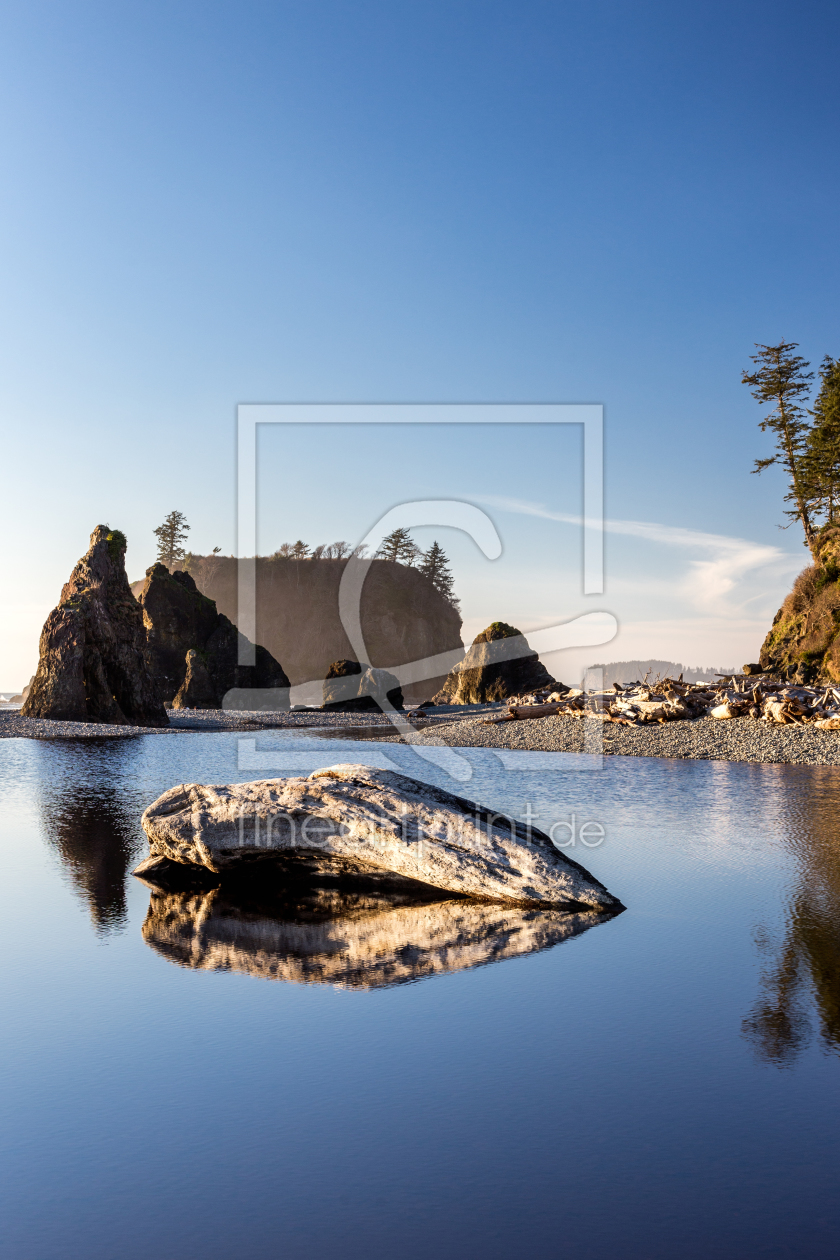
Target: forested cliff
404, 618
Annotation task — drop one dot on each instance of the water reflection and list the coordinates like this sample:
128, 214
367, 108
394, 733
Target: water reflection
801, 976
96, 840
355, 940
91, 821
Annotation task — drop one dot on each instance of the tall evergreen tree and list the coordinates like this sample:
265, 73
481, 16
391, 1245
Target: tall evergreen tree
171, 536
400, 547
781, 379
435, 564
823, 451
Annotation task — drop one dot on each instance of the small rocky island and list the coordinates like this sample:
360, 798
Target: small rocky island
193, 650
92, 665
108, 658
499, 664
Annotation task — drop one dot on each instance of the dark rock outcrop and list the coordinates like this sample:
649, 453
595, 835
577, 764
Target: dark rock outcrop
404, 618
803, 643
499, 664
193, 650
92, 666
350, 689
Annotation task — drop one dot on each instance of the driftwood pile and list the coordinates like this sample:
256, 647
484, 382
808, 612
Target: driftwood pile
671, 699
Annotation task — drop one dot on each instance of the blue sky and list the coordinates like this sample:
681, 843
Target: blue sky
206, 204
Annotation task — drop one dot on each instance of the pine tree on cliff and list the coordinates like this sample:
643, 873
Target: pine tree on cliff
781, 379
823, 454
171, 536
399, 547
435, 565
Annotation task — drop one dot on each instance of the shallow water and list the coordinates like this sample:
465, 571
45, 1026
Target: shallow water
196, 1079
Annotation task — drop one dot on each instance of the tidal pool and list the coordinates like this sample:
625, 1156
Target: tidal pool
213, 1074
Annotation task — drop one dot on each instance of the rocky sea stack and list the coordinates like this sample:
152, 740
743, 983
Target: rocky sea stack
804, 641
499, 664
404, 618
350, 689
193, 650
92, 666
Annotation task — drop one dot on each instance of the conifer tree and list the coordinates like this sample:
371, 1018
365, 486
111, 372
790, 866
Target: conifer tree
823, 451
399, 547
171, 536
782, 380
435, 565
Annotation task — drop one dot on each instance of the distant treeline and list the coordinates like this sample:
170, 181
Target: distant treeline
399, 547
635, 671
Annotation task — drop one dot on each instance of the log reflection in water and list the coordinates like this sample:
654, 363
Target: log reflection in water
803, 970
360, 940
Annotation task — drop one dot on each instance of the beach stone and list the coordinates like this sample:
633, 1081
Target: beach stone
193, 650
92, 666
499, 664
349, 688
356, 940
353, 821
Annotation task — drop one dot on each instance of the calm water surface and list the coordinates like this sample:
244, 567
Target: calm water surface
184, 1078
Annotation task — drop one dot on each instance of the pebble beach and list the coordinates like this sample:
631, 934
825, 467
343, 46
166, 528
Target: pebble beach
739, 739
707, 739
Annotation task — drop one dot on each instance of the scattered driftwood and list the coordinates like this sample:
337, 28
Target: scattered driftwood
749, 695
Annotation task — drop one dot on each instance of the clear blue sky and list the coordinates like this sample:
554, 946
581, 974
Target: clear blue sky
206, 204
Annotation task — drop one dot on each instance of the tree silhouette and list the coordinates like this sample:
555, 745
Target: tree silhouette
781, 379
435, 565
822, 457
171, 536
399, 547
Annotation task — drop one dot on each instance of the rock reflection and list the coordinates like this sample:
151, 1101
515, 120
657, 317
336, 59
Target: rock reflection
801, 978
359, 941
91, 821
96, 841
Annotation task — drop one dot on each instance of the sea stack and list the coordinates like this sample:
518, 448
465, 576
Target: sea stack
92, 666
193, 650
499, 664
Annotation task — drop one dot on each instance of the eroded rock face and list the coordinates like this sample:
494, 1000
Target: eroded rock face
499, 664
193, 650
361, 941
403, 617
92, 666
353, 820
348, 688
803, 643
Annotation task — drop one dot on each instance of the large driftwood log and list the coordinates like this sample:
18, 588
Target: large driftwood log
350, 820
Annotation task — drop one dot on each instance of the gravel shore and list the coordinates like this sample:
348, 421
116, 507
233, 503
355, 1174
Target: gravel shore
739, 739
13, 726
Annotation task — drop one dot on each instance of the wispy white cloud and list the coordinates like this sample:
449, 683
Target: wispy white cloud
720, 564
